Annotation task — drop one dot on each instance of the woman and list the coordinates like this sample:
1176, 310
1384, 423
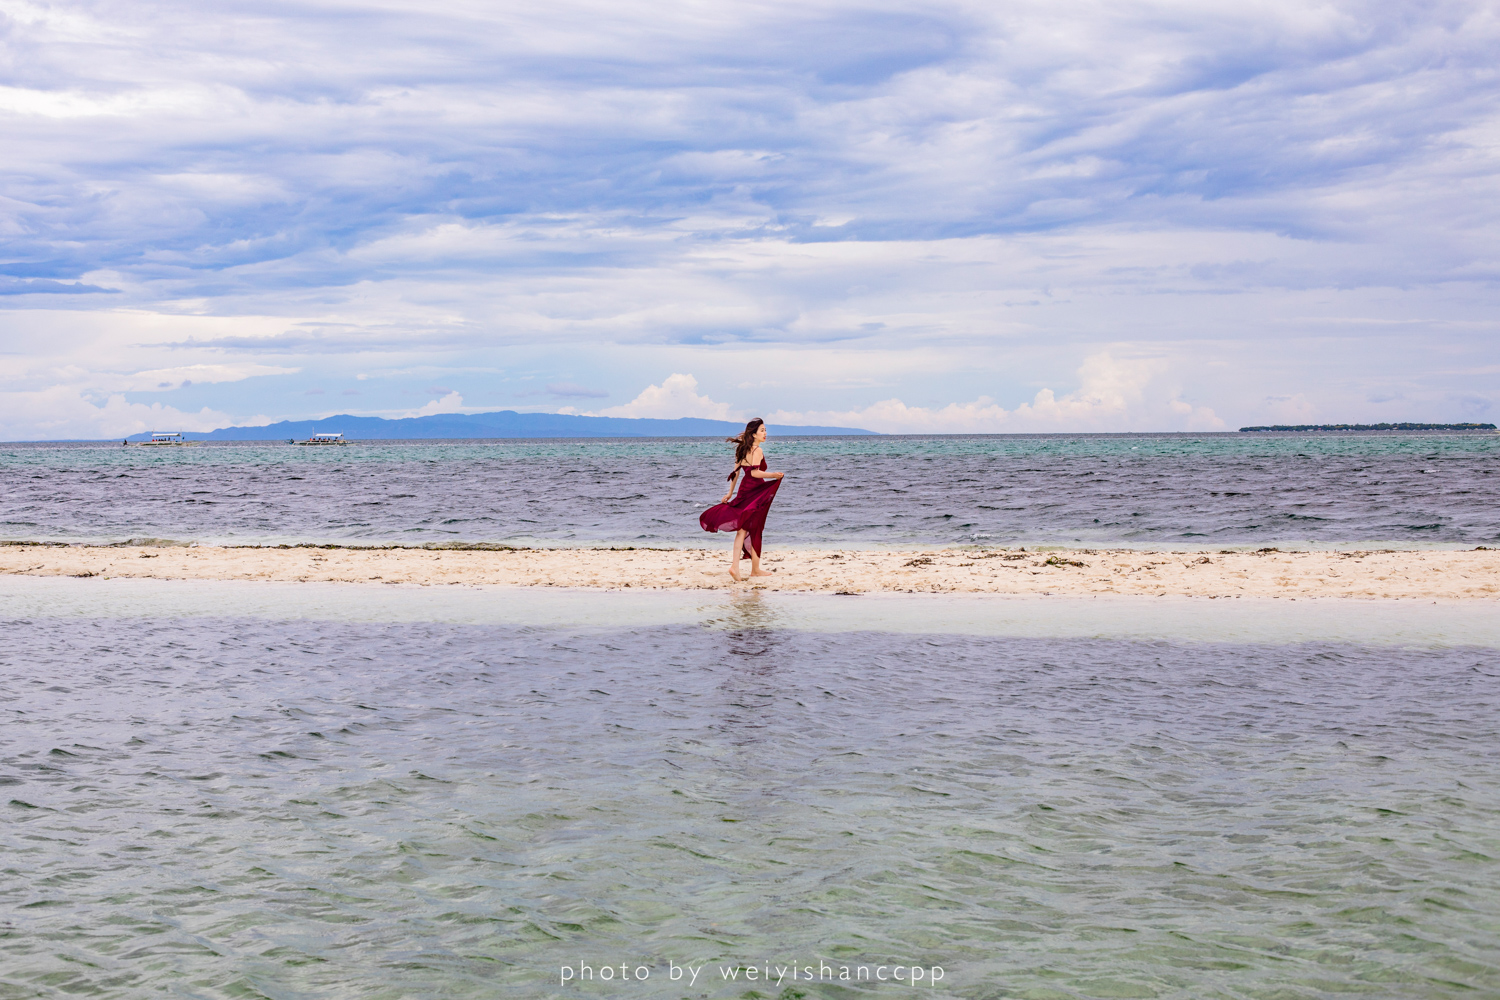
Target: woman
746, 515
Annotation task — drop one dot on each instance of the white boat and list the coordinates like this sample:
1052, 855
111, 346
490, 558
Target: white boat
162, 439
325, 438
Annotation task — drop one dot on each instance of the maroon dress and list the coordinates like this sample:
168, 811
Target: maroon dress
746, 512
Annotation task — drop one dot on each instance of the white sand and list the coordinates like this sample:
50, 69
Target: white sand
1384, 574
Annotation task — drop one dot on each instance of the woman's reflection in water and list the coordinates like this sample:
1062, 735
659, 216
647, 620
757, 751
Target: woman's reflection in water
754, 630
757, 649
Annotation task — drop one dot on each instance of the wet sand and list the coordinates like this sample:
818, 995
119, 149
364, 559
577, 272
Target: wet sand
1385, 574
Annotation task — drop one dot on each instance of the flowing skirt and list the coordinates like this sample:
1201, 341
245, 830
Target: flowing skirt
746, 512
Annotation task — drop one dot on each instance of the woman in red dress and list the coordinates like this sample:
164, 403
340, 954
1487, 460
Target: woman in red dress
746, 514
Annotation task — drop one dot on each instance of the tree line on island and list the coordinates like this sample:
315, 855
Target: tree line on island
1372, 427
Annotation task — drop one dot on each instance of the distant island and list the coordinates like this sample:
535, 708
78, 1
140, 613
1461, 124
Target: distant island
1372, 427
500, 424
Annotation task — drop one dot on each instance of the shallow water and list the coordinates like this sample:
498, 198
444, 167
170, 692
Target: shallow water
1212, 489
1262, 621
230, 803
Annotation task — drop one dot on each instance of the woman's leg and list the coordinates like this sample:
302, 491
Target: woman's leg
755, 569
734, 559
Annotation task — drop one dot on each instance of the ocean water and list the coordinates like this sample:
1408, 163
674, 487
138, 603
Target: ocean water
294, 791
291, 791
1177, 489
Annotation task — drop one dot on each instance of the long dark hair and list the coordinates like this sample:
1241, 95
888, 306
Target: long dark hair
744, 443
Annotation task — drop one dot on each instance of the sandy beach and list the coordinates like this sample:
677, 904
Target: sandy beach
1473, 574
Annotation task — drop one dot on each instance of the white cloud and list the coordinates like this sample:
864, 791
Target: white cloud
451, 403
1196, 418
171, 378
1296, 409
677, 396
75, 104
62, 413
1114, 395
344, 186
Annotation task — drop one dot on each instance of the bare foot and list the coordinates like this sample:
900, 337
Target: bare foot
736, 575
760, 572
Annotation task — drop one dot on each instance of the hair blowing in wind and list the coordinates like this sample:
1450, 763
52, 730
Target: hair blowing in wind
744, 443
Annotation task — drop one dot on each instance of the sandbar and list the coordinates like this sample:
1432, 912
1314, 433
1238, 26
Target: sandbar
1376, 574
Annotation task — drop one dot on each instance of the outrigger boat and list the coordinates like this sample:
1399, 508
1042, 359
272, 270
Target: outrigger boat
325, 439
162, 439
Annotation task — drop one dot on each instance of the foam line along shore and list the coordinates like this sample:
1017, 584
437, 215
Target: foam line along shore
1270, 572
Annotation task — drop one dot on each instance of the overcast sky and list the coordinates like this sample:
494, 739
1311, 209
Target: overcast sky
946, 216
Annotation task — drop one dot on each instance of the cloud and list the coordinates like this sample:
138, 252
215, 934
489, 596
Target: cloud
62, 413
562, 186
1296, 409
403, 126
172, 378
80, 404
451, 403
677, 396
572, 390
1113, 395
45, 286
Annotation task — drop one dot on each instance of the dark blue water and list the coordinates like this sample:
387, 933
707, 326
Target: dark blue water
226, 807
1067, 489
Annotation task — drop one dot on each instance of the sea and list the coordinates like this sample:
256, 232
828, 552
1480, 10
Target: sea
253, 789
1145, 490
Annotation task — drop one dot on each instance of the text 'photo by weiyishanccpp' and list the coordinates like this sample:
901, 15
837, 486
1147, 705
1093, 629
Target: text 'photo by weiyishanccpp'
238, 787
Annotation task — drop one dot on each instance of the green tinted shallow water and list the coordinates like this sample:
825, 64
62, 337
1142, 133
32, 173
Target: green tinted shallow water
1211, 445
290, 791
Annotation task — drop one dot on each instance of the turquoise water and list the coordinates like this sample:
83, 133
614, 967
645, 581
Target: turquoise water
238, 790
1209, 490
617, 450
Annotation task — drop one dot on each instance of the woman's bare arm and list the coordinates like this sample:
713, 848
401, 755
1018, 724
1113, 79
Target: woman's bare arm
732, 480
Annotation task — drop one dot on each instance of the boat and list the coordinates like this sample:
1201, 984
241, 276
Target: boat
163, 439
325, 438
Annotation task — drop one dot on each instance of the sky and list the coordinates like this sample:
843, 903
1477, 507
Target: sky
907, 217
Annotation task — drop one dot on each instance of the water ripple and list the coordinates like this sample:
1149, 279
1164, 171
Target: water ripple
1054, 489
231, 807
